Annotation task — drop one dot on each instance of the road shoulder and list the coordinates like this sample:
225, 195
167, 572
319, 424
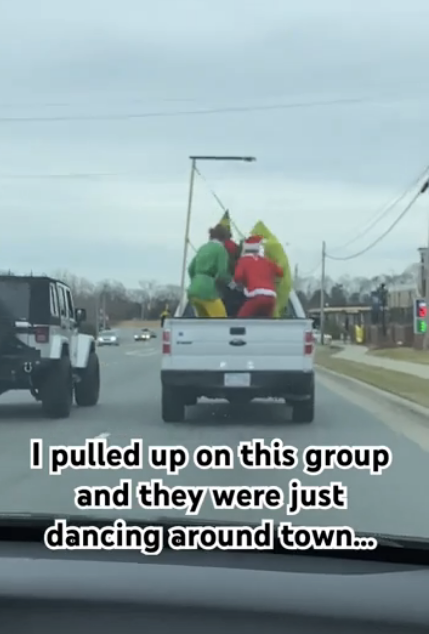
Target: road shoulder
392, 411
410, 389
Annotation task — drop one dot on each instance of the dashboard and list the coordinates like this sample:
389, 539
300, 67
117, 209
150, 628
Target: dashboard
123, 591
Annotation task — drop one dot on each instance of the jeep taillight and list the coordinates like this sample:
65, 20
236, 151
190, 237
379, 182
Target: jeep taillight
308, 343
41, 334
166, 342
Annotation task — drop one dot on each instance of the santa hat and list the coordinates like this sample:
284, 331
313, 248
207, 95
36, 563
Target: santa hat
254, 244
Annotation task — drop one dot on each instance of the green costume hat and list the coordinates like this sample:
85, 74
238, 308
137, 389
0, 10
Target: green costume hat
226, 220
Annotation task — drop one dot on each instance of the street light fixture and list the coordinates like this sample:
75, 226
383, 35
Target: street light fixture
194, 159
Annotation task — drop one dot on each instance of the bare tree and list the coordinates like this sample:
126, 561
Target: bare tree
149, 290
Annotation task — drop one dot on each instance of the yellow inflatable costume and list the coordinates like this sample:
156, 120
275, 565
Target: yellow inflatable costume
275, 252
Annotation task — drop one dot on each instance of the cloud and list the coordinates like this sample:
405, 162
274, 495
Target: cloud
322, 172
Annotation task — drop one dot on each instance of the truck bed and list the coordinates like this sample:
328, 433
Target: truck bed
238, 360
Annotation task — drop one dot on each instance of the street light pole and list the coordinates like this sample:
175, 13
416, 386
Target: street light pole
322, 295
424, 190
187, 230
194, 159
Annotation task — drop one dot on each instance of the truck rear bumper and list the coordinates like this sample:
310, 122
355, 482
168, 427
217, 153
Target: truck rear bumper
291, 385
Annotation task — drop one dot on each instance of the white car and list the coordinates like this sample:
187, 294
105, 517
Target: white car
318, 338
144, 335
108, 338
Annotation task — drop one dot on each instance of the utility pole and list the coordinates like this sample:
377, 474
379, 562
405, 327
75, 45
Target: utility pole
423, 190
322, 295
426, 277
295, 277
104, 309
97, 314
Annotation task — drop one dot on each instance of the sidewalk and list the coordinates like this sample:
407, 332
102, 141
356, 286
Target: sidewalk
358, 354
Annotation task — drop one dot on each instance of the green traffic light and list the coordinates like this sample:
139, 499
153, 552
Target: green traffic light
421, 326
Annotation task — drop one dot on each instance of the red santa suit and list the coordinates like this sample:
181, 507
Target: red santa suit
258, 276
231, 247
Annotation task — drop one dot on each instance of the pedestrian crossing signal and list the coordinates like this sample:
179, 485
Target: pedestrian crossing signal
420, 314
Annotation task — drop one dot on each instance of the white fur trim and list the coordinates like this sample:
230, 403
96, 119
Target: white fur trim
257, 292
254, 248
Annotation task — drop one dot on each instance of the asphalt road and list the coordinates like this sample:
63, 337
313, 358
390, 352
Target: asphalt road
394, 502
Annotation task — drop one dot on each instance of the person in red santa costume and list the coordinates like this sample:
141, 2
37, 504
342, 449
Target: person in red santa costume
257, 274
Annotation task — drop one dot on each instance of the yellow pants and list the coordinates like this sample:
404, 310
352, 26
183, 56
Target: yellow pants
214, 308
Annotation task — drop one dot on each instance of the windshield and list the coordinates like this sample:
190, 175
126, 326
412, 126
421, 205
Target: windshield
178, 291
15, 298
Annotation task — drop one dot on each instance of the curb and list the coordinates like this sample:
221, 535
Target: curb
375, 391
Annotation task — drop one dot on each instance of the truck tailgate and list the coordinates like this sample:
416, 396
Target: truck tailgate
238, 344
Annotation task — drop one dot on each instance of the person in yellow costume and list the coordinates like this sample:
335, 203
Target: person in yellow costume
274, 251
164, 315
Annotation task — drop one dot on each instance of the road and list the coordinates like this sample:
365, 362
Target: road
395, 502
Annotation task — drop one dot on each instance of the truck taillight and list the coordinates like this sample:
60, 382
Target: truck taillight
41, 334
166, 342
308, 343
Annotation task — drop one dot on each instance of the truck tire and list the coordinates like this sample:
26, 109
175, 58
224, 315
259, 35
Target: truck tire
304, 412
57, 390
87, 390
173, 406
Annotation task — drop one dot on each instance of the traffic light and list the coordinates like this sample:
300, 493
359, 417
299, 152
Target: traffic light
420, 312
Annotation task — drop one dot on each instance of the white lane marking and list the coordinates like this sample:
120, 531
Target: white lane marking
104, 435
401, 421
141, 353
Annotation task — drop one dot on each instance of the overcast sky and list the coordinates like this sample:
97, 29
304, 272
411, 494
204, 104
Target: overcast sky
331, 96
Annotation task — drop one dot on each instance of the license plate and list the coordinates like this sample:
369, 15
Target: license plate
239, 379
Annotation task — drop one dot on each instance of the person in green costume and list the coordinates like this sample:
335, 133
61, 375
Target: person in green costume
209, 269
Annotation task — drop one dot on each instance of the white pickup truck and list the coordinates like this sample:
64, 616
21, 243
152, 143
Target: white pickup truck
238, 360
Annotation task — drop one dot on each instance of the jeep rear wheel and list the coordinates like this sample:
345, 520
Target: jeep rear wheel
87, 390
57, 389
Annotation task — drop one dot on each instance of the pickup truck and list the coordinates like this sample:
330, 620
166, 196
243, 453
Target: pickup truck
238, 360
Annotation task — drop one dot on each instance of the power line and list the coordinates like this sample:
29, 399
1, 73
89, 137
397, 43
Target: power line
386, 233
70, 175
384, 211
96, 175
183, 113
68, 104
312, 271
